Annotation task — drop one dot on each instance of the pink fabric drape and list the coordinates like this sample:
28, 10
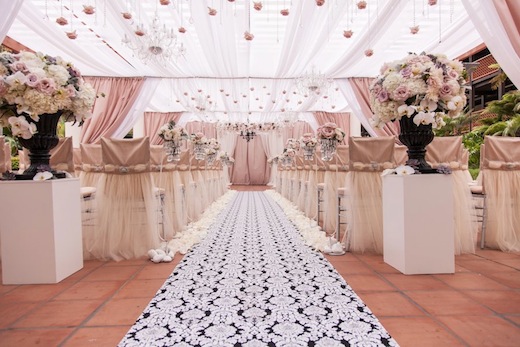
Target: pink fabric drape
509, 13
208, 129
250, 166
341, 119
154, 120
109, 111
360, 87
296, 130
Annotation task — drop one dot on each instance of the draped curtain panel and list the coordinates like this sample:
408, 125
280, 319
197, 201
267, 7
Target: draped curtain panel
208, 129
7, 16
497, 22
250, 166
110, 110
341, 119
140, 104
154, 120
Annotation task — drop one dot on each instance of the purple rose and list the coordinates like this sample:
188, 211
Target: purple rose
406, 72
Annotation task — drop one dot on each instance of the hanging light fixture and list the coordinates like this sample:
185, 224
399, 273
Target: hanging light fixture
248, 133
155, 43
314, 82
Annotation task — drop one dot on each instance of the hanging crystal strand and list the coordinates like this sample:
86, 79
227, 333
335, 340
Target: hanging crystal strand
46, 17
440, 23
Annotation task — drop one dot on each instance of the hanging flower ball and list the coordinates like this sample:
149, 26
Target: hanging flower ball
333, 106
88, 9
285, 12
257, 5
227, 94
126, 15
362, 4
212, 11
222, 90
369, 52
164, 2
72, 35
231, 0
61, 21
432, 2
320, 2
252, 88
182, 30
248, 36
414, 30
139, 32
348, 33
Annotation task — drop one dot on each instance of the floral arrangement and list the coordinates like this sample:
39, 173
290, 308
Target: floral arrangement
226, 159
292, 144
214, 144
426, 86
330, 131
199, 139
172, 132
308, 141
34, 84
239, 126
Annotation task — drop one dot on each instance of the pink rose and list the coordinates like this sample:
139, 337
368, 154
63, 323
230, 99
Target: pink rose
3, 88
401, 93
327, 131
382, 96
46, 85
32, 80
18, 66
445, 91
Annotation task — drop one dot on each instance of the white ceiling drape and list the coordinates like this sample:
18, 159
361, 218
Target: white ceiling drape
246, 77
9, 12
485, 17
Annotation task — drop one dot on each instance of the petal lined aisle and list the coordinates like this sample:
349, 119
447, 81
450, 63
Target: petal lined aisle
253, 282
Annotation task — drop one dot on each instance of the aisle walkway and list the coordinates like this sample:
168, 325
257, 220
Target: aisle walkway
479, 305
253, 282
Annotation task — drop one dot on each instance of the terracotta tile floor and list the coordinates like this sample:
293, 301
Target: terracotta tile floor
479, 305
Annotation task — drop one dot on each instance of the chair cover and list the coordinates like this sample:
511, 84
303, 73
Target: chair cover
76, 159
501, 184
333, 179
62, 157
448, 151
91, 164
400, 155
129, 216
3, 156
166, 176
189, 191
368, 158
316, 176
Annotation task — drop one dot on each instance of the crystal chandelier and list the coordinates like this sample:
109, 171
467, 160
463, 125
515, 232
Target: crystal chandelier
248, 133
157, 43
313, 82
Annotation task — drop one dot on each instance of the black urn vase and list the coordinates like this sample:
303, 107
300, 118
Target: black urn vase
416, 138
39, 146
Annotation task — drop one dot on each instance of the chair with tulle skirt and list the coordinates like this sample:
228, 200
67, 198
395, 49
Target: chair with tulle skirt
368, 157
500, 171
62, 157
448, 152
91, 164
129, 218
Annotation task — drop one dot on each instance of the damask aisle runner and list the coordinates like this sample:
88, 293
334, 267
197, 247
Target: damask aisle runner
253, 282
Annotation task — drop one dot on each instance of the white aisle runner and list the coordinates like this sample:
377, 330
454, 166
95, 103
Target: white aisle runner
253, 282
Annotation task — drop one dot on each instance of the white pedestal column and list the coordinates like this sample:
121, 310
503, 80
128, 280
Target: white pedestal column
418, 223
40, 230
